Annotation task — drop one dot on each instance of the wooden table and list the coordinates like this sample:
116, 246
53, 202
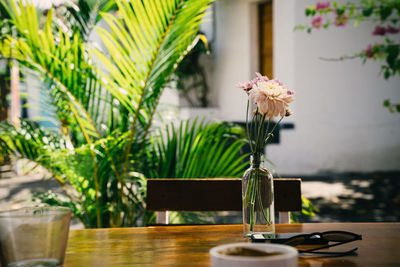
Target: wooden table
189, 245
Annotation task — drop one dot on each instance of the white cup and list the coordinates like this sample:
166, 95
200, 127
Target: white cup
286, 256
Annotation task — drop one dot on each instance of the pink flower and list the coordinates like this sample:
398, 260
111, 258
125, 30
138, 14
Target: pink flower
322, 5
248, 85
317, 22
341, 20
245, 86
259, 78
369, 52
392, 30
379, 31
272, 98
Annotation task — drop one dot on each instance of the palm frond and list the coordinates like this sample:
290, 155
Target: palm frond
105, 122
30, 140
145, 44
82, 15
62, 62
198, 150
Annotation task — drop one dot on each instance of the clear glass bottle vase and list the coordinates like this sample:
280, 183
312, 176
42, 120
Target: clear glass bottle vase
258, 199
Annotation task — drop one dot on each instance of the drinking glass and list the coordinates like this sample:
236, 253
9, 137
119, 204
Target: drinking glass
34, 236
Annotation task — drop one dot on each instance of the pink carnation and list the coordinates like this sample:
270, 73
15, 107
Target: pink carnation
322, 5
317, 22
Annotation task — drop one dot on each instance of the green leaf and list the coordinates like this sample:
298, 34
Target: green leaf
97, 109
340, 11
299, 27
313, 12
367, 11
201, 150
386, 103
386, 74
385, 12
393, 53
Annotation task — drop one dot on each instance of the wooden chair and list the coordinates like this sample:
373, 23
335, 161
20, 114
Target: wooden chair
217, 194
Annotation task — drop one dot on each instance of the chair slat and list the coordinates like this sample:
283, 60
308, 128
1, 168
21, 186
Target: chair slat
216, 194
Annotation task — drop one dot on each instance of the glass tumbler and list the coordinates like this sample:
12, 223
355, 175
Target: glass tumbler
34, 236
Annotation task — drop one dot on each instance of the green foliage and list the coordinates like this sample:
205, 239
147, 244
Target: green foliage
198, 150
386, 17
392, 107
367, 11
195, 149
105, 116
308, 208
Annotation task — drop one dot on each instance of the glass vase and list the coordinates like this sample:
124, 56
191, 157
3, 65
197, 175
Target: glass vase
258, 199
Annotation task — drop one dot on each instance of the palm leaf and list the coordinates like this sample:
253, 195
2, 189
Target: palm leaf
57, 62
144, 51
103, 121
197, 151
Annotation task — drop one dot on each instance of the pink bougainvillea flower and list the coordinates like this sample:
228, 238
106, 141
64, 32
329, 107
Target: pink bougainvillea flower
317, 22
341, 20
272, 98
392, 30
379, 30
322, 5
369, 52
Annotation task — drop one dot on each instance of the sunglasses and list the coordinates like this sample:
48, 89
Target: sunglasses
340, 237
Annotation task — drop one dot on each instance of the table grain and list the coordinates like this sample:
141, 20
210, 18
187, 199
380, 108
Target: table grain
190, 245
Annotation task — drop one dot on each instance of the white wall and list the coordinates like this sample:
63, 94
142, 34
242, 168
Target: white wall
232, 55
340, 124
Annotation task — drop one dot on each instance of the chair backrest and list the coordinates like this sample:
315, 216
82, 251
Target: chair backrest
215, 194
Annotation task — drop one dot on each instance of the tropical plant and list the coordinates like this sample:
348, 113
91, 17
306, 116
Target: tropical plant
194, 149
198, 150
105, 115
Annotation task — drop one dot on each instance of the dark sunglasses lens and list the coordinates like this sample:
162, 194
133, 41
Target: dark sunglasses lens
338, 237
294, 241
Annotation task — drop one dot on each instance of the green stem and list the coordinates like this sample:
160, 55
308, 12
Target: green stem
247, 126
261, 205
253, 200
247, 194
267, 130
259, 142
273, 129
